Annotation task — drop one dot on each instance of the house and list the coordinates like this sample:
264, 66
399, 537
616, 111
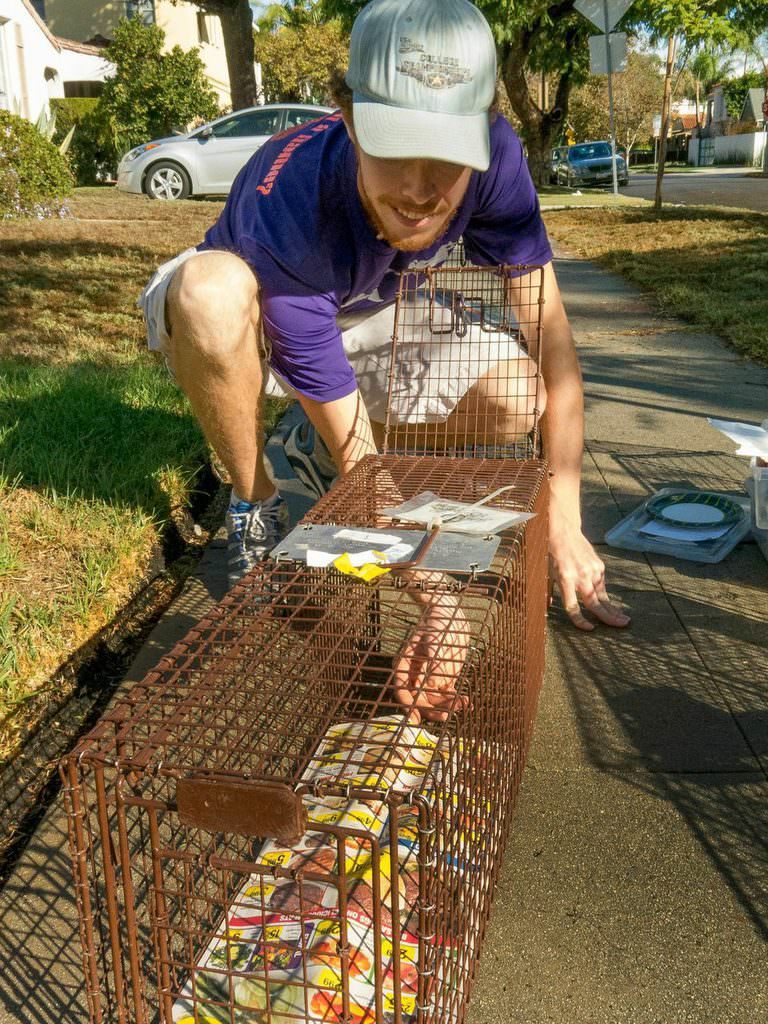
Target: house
723, 140
752, 111
36, 66
683, 127
184, 25
716, 115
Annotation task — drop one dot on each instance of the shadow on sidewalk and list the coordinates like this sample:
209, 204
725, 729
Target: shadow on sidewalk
681, 693
673, 373
42, 978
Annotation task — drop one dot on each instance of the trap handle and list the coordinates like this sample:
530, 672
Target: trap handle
247, 807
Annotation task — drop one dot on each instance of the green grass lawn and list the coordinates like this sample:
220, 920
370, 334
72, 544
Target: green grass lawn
97, 445
708, 265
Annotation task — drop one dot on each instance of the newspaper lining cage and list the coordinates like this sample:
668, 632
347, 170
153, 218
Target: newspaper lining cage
263, 831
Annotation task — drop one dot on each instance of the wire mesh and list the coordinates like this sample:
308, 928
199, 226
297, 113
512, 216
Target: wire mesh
264, 832
465, 368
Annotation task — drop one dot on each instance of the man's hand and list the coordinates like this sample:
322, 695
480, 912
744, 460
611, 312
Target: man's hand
432, 660
580, 577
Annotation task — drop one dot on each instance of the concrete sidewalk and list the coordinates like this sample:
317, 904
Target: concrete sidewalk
635, 888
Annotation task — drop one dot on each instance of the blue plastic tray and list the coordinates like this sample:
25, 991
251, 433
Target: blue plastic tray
626, 534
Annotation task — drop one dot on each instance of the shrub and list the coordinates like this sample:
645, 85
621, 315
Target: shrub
152, 93
90, 154
35, 178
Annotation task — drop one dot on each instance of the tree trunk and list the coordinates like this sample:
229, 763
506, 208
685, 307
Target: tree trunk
538, 126
237, 29
664, 121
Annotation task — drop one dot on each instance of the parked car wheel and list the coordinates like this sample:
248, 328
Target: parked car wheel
623, 182
167, 180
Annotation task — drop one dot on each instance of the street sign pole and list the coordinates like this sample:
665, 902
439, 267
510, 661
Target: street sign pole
610, 98
605, 14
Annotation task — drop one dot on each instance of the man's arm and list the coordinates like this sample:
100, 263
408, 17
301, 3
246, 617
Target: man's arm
431, 662
344, 426
579, 572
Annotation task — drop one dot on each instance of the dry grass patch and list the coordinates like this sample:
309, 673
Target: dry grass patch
69, 287
556, 196
708, 265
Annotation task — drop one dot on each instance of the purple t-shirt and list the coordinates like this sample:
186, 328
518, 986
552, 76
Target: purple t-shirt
295, 216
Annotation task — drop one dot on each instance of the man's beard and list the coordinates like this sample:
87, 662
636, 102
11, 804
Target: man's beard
413, 244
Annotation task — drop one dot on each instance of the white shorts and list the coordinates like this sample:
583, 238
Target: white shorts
434, 366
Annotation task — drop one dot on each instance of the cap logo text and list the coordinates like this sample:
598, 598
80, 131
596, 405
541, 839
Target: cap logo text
432, 70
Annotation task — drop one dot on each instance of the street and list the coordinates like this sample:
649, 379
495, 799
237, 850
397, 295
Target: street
715, 186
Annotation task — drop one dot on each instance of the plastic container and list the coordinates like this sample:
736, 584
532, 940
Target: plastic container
759, 493
626, 534
758, 532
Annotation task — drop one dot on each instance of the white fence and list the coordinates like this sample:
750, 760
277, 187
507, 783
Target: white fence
743, 150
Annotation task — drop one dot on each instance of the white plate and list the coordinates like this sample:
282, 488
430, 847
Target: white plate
692, 512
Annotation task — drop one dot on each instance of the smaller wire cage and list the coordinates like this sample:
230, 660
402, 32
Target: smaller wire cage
466, 360
262, 831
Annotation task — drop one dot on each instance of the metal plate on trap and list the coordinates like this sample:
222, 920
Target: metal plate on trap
449, 552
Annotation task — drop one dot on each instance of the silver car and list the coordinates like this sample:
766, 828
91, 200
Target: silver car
589, 163
206, 161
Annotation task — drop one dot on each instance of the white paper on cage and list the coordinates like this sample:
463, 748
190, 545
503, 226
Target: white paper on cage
317, 559
456, 516
752, 440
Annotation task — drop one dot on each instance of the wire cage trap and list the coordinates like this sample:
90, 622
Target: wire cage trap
263, 832
465, 362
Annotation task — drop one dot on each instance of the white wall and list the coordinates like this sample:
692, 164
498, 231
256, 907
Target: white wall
29, 62
182, 28
34, 65
83, 67
742, 147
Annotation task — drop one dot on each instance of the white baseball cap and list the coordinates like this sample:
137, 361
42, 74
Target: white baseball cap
423, 75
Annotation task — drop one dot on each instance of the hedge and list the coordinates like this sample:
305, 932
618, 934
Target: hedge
90, 155
35, 178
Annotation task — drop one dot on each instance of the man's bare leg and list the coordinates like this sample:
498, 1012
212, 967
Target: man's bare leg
213, 319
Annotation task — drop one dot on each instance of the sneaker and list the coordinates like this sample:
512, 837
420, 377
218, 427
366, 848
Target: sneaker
309, 458
254, 530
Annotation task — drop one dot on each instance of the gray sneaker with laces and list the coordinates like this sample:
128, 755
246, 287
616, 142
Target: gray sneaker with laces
254, 530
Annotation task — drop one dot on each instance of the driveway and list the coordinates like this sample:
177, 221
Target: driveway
716, 186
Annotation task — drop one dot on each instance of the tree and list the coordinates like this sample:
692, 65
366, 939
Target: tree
703, 67
735, 91
636, 94
296, 63
236, 19
289, 14
151, 93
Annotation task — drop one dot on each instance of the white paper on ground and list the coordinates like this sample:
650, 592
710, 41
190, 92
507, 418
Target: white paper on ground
753, 440
669, 532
